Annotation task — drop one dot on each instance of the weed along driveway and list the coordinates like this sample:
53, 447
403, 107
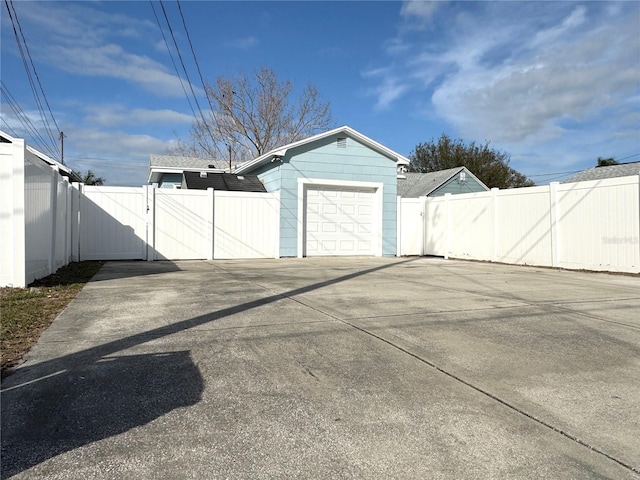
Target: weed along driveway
332, 368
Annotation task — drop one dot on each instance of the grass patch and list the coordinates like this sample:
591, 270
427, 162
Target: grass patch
27, 312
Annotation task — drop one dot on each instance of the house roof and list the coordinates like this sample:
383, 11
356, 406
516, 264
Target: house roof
191, 163
610, 171
159, 164
415, 185
61, 168
223, 181
281, 151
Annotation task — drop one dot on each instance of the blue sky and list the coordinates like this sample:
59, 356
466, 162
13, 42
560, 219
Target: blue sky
553, 84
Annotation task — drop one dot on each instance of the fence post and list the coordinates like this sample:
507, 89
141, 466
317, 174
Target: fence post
496, 235
16, 210
398, 227
53, 212
554, 219
150, 205
423, 224
75, 222
67, 221
447, 197
211, 223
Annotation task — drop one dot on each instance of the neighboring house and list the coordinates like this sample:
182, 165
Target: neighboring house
166, 171
222, 181
337, 194
436, 184
609, 171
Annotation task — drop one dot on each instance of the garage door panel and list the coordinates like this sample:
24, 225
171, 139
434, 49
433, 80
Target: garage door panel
329, 209
339, 221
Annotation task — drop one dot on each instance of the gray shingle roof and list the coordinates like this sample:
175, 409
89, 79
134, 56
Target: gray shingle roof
419, 184
600, 173
173, 161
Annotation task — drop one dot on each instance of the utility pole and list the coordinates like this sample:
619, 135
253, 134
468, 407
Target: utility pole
62, 135
229, 157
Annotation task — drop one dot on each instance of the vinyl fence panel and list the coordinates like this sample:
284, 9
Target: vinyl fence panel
523, 226
183, 224
246, 225
471, 233
113, 223
436, 226
598, 225
411, 226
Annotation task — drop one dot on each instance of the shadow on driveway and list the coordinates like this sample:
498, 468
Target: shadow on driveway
60, 404
91, 402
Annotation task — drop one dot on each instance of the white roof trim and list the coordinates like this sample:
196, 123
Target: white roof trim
280, 152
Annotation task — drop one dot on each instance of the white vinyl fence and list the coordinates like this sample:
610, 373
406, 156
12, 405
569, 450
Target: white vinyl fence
38, 230
47, 222
591, 225
160, 224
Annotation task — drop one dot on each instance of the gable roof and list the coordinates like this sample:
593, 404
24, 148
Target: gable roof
222, 181
415, 185
281, 151
610, 171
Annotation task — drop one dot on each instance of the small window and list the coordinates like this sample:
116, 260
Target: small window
342, 142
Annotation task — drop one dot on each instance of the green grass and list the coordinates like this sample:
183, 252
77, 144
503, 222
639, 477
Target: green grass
26, 312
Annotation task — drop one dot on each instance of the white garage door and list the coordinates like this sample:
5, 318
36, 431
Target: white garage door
339, 221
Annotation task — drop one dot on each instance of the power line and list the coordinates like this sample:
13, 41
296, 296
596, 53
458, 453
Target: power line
37, 138
555, 173
175, 67
630, 156
195, 98
34, 90
184, 24
35, 71
11, 130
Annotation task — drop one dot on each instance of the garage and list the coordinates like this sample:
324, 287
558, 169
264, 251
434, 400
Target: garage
340, 220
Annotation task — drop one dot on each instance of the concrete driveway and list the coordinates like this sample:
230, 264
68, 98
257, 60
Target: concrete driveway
332, 368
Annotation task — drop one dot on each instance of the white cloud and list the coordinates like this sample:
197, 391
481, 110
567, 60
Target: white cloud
119, 157
119, 115
389, 89
531, 94
84, 40
419, 13
243, 43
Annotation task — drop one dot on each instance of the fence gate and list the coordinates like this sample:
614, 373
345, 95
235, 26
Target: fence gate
113, 223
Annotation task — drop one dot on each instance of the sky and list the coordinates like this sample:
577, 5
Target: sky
555, 85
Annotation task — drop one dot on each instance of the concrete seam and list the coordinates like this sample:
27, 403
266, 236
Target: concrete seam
476, 388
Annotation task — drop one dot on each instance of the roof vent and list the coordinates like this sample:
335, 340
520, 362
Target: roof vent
463, 177
240, 177
342, 142
211, 166
203, 174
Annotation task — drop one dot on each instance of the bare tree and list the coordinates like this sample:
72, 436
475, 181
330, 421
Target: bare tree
252, 115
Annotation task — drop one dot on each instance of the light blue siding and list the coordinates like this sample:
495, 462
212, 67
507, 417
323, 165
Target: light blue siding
453, 186
269, 174
324, 159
